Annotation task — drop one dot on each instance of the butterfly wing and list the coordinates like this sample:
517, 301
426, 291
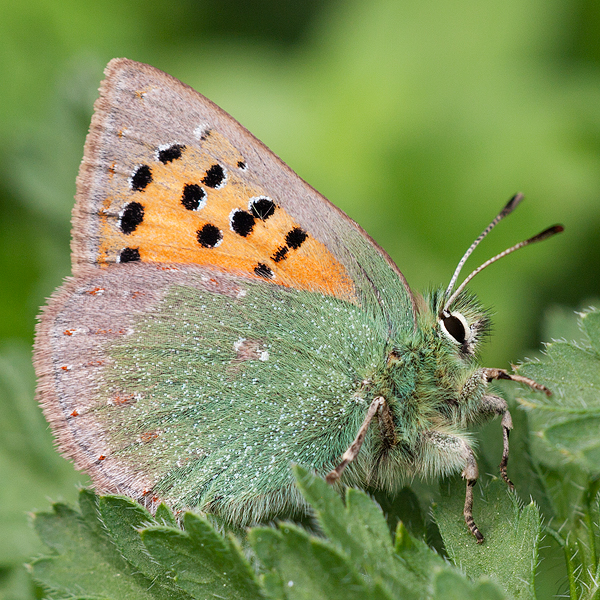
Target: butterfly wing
199, 388
222, 316
167, 176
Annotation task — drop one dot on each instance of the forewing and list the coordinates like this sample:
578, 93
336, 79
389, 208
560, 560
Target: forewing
169, 177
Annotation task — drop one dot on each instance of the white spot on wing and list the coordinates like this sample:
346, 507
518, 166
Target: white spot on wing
201, 130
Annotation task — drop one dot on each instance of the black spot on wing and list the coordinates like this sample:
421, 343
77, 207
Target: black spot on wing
262, 208
193, 197
129, 255
242, 222
171, 153
140, 178
280, 254
295, 238
209, 236
263, 271
131, 216
215, 176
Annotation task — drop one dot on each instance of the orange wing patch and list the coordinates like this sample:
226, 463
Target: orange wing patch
186, 206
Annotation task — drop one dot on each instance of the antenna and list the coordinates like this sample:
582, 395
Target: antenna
510, 206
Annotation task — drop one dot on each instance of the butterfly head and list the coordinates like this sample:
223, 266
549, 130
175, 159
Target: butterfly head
462, 327
466, 324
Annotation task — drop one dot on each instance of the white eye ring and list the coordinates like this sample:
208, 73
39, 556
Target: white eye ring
467, 330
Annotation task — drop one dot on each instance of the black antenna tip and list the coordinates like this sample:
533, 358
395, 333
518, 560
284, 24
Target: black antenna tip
513, 203
544, 235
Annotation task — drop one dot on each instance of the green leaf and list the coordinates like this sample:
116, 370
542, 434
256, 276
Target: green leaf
265, 543
404, 505
88, 562
509, 553
451, 586
202, 562
567, 423
311, 568
114, 548
359, 550
360, 530
565, 427
124, 519
579, 537
164, 516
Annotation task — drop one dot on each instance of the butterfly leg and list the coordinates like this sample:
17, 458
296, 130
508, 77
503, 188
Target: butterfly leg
450, 448
378, 404
471, 474
497, 406
491, 374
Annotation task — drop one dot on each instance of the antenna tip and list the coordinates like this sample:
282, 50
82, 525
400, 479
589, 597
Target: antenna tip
544, 235
513, 203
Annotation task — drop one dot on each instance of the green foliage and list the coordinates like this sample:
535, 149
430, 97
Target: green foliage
202, 563
565, 449
566, 424
114, 548
510, 551
92, 560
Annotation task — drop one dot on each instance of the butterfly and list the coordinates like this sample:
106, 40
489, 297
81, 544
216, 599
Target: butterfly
224, 320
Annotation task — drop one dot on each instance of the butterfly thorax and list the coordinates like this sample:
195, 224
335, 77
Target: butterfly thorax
432, 384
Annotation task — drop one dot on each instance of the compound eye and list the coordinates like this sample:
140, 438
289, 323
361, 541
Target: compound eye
456, 327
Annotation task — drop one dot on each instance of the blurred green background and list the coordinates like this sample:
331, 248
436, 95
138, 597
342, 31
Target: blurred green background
418, 119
